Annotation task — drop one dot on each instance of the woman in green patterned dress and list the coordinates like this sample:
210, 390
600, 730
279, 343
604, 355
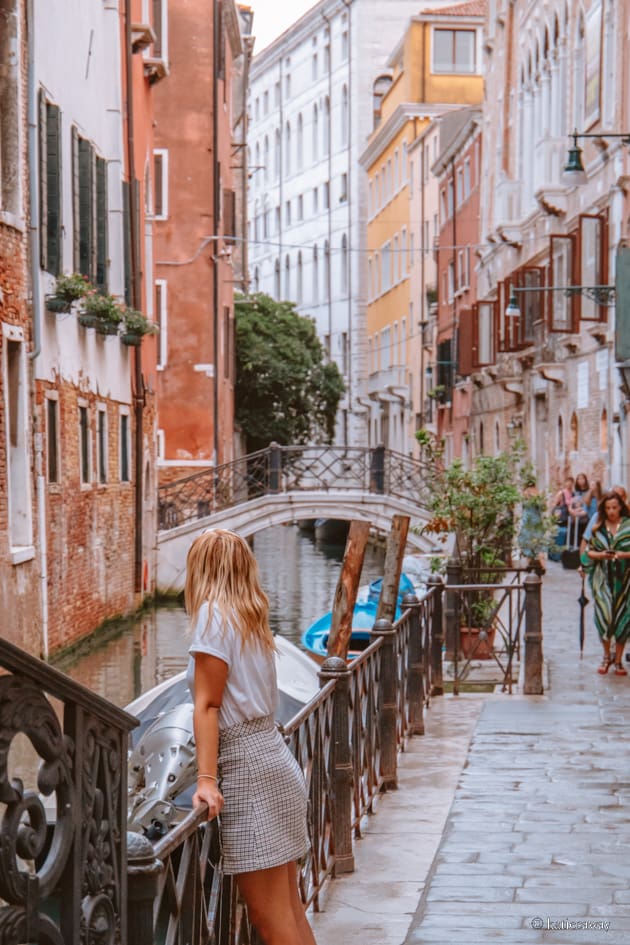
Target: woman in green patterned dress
607, 560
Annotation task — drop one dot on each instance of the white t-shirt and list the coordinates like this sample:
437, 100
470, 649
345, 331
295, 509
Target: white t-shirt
251, 688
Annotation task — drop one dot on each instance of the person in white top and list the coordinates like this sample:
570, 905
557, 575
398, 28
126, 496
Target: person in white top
246, 773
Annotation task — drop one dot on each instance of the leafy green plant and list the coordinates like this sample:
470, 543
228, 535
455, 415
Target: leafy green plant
68, 289
136, 323
104, 307
286, 389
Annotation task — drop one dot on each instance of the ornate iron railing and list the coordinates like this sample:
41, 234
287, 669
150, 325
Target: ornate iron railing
282, 469
63, 849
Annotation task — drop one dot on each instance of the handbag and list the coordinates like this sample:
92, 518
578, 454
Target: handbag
571, 555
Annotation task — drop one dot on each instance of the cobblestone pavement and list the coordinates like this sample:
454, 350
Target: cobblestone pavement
536, 846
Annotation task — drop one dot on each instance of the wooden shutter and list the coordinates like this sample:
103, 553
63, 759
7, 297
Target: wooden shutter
531, 302
562, 307
101, 224
53, 179
76, 241
86, 208
465, 343
483, 340
591, 259
229, 216
127, 240
43, 181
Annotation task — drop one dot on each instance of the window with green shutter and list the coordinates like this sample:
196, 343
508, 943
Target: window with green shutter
127, 240
86, 208
50, 186
101, 224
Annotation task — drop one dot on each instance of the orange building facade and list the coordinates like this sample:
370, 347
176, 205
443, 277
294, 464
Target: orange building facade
194, 214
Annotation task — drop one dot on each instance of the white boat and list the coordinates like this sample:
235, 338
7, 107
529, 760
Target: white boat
162, 770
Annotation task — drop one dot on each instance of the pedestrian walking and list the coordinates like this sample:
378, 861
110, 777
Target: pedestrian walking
607, 562
247, 775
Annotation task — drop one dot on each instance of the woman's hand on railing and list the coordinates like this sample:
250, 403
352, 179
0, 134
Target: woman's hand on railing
208, 793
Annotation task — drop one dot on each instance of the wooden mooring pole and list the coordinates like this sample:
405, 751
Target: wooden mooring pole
394, 553
347, 587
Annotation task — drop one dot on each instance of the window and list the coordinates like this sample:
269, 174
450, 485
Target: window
345, 116
257, 110
125, 465
385, 358
450, 197
276, 94
101, 444
327, 58
10, 115
326, 194
344, 264
52, 438
327, 271
300, 279
276, 281
265, 103
266, 157
314, 66
454, 51
396, 261
403, 341
562, 308
315, 131
89, 205
402, 265
344, 352
315, 276
466, 178
160, 183
49, 185
300, 210
161, 316
287, 77
460, 185
277, 220
326, 130
287, 277
343, 196
17, 438
287, 148
287, 213
386, 267
344, 45
160, 28
84, 444
315, 200
396, 171
450, 282
300, 142
277, 154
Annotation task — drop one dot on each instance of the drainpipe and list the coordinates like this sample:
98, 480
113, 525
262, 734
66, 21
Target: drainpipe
37, 330
329, 134
350, 354
216, 55
138, 382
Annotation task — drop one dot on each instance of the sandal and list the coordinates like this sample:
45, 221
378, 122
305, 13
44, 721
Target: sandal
605, 665
619, 670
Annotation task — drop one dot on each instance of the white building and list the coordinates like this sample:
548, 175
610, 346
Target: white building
311, 112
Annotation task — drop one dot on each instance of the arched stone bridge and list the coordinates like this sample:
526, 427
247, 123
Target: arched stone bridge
285, 484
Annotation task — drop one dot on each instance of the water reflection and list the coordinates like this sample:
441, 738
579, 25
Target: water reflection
299, 575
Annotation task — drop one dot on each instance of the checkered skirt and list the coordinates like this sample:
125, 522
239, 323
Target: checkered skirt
263, 821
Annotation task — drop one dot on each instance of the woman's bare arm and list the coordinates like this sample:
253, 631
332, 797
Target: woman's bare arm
210, 676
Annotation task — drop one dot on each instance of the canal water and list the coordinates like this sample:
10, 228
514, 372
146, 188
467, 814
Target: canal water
299, 575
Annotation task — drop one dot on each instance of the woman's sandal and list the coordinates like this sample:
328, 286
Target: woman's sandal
620, 670
605, 665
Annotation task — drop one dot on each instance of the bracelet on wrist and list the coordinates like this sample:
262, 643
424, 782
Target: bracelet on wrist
208, 777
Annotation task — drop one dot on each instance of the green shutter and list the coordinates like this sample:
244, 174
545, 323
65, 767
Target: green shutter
75, 202
101, 223
53, 188
127, 240
43, 188
86, 220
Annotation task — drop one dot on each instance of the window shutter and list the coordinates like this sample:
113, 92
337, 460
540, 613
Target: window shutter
229, 216
53, 190
465, 343
75, 201
101, 223
127, 240
591, 258
43, 181
86, 217
562, 307
531, 303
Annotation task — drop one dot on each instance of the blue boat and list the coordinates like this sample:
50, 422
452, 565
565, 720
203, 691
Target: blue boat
315, 638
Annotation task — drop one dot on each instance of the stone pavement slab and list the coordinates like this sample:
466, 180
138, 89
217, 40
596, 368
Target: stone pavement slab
511, 823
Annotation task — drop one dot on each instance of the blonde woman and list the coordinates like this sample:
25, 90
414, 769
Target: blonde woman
246, 773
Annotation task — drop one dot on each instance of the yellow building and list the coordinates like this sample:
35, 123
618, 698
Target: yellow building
436, 66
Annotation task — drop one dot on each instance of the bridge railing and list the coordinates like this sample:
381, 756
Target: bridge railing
63, 803
281, 469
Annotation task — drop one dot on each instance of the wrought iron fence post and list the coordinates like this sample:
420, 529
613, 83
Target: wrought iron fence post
436, 583
453, 576
340, 763
533, 683
143, 871
387, 702
275, 467
377, 470
415, 666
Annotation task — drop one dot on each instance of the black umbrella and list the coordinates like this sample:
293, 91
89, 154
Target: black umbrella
582, 601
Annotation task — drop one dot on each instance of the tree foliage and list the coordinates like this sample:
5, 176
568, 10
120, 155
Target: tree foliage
285, 389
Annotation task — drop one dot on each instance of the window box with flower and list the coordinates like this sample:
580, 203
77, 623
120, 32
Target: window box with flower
68, 289
101, 312
135, 326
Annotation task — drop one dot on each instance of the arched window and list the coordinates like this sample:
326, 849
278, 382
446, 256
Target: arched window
300, 283
287, 149
276, 281
344, 264
315, 276
315, 143
326, 130
266, 157
327, 271
287, 277
277, 154
257, 166
345, 116
575, 439
300, 142
560, 436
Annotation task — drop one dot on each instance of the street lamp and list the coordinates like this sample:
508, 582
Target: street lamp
512, 310
574, 172
602, 294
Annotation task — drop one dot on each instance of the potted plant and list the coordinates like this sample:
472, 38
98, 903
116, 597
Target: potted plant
135, 326
68, 289
102, 312
474, 508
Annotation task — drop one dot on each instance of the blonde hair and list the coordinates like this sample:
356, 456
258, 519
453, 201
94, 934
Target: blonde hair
222, 571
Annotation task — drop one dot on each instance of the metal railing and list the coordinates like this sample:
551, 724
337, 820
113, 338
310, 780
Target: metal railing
282, 469
68, 869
